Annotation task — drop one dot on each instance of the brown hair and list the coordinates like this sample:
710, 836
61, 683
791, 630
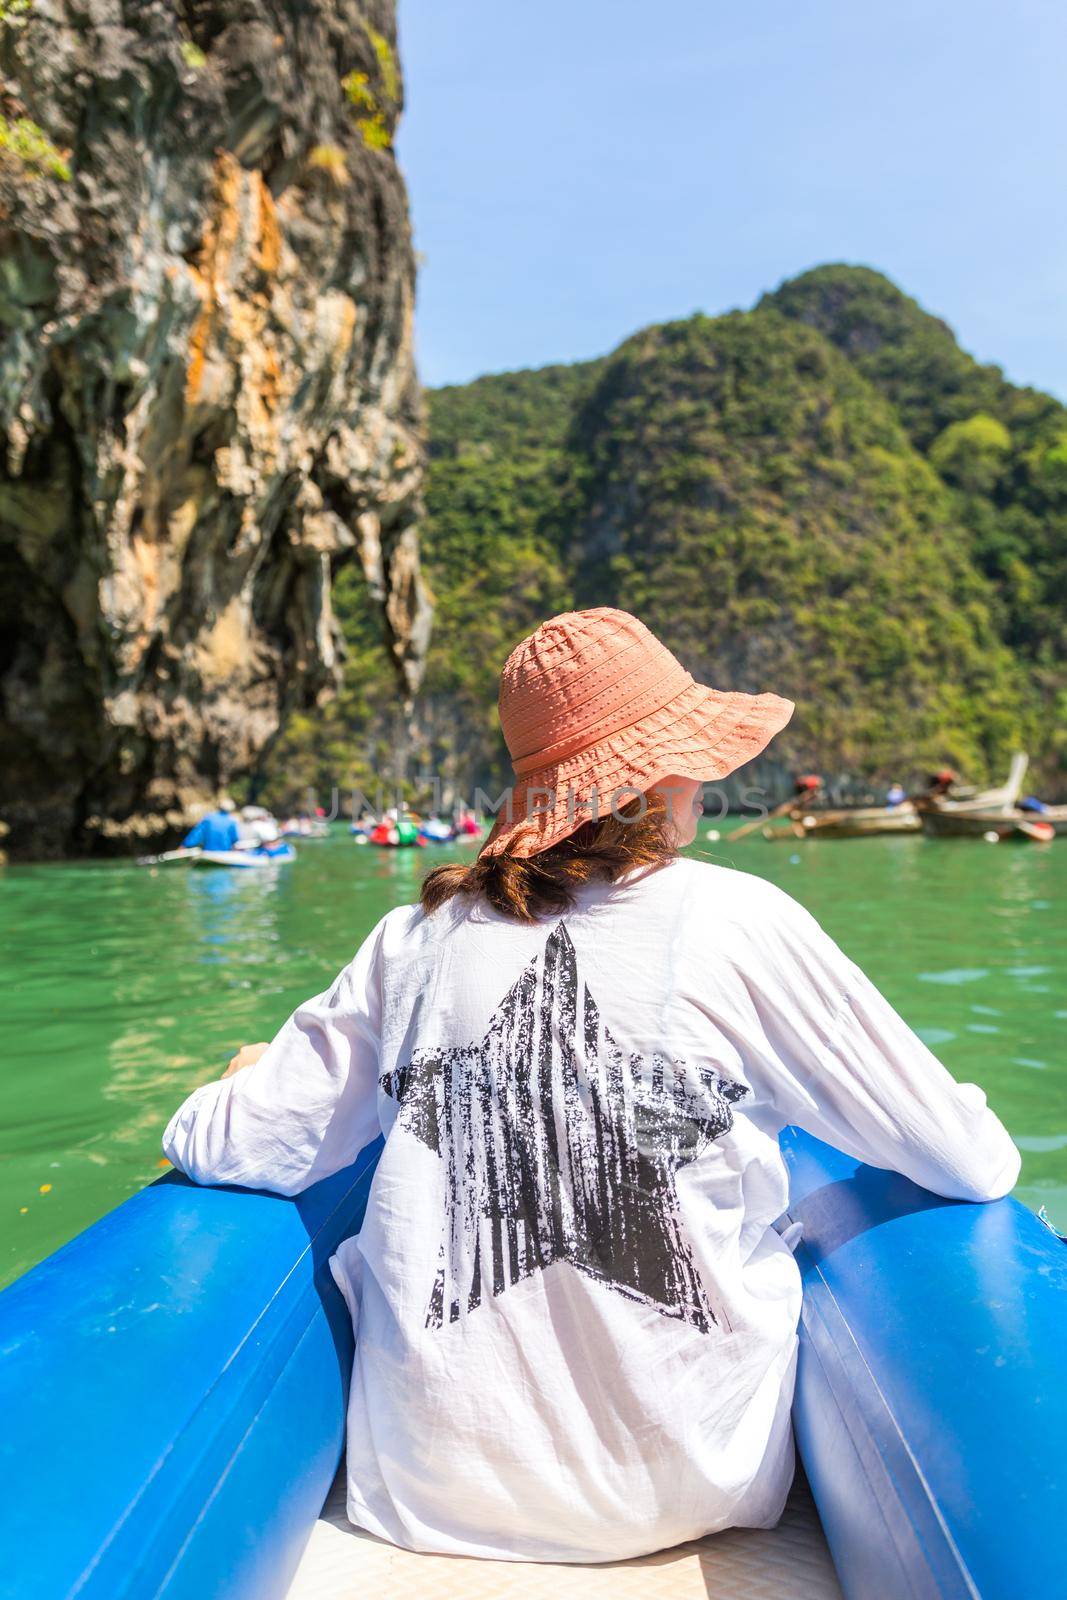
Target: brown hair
543, 885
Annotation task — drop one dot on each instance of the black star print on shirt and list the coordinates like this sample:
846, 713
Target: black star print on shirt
558, 1148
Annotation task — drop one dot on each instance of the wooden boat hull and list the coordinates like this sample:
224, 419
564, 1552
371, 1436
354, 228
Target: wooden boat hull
862, 823
982, 824
858, 822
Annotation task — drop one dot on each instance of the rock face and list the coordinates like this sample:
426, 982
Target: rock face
207, 393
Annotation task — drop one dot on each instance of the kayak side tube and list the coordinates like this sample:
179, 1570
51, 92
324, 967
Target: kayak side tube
931, 1399
173, 1386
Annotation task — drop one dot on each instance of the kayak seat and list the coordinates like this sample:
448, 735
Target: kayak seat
789, 1562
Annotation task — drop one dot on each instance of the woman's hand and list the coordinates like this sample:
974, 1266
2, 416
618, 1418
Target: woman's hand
247, 1056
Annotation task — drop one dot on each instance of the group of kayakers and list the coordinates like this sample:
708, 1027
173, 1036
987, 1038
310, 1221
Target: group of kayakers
252, 830
402, 828
226, 831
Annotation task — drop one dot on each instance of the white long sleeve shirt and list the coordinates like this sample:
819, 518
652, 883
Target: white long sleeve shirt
575, 1324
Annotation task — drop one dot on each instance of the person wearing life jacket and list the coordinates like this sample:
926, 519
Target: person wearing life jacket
467, 824
215, 831
806, 787
575, 1320
259, 828
364, 825
940, 783
407, 830
277, 846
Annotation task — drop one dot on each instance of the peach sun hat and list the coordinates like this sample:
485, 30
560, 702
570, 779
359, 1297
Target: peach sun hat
595, 710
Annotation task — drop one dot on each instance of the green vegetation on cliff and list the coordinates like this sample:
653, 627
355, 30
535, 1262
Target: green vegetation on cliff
825, 496
750, 495
1000, 449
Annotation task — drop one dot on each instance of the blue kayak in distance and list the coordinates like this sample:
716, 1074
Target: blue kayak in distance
174, 1383
244, 859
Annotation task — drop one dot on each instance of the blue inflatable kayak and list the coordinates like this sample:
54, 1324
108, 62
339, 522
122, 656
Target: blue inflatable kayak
173, 1387
244, 858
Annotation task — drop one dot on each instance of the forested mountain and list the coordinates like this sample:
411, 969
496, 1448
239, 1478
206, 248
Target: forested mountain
1000, 448
824, 496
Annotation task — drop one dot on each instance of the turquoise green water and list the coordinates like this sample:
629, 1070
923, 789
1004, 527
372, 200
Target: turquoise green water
123, 988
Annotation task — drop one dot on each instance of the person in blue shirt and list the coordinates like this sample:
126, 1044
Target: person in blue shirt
216, 831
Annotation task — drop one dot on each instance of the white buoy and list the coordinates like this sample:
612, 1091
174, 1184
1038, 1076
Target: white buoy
713, 834
991, 837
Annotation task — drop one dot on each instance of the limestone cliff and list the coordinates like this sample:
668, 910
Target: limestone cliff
207, 393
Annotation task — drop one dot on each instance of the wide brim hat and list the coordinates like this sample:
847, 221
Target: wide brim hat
595, 710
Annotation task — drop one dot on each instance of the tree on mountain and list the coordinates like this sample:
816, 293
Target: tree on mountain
972, 455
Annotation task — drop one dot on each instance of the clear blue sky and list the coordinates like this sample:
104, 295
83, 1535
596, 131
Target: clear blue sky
579, 168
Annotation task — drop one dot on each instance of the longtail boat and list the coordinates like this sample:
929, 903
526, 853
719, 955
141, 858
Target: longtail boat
992, 813
956, 801
851, 822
